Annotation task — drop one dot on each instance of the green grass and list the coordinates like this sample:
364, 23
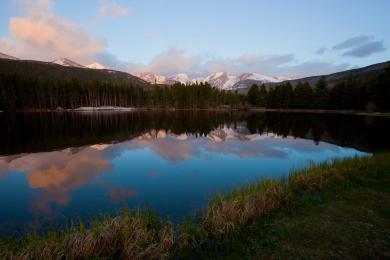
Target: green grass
337, 210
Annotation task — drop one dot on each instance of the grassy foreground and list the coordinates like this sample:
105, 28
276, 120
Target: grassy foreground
336, 210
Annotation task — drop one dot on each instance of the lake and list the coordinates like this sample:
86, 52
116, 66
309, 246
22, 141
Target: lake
59, 167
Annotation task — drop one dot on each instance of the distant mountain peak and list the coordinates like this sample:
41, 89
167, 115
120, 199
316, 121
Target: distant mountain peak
181, 78
8, 57
258, 77
67, 62
220, 79
97, 66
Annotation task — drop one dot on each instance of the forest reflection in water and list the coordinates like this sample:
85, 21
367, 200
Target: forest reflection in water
60, 166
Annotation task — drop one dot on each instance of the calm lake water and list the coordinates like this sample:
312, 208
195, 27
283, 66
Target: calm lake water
56, 167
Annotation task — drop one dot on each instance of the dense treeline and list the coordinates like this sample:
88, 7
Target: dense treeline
25, 93
373, 95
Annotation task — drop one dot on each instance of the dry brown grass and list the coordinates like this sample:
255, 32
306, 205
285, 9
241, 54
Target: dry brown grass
227, 215
128, 237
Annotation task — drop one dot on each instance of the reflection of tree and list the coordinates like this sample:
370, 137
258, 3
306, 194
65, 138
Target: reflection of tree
32, 132
345, 130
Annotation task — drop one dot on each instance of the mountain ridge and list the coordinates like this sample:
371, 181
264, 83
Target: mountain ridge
220, 80
52, 71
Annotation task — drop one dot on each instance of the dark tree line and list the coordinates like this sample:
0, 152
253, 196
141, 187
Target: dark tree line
372, 95
26, 93
23, 92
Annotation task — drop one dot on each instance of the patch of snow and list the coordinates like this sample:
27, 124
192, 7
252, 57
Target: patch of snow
182, 137
100, 147
181, 77
103, 108
151, 78
97, 66
67, 62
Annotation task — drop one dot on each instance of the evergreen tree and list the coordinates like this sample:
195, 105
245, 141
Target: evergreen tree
253, 95
286, 95
303, 95
321, 94
262, 101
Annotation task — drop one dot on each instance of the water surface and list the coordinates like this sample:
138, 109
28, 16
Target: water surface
55, 167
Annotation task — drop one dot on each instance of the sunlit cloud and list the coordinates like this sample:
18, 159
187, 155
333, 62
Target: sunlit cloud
173, 61
111, 8
40, 34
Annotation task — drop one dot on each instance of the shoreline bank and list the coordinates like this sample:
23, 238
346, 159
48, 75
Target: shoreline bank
132, 109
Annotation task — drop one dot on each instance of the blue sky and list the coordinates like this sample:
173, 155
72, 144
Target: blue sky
281, 38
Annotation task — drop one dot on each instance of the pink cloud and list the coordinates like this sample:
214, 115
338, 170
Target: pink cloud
40, 34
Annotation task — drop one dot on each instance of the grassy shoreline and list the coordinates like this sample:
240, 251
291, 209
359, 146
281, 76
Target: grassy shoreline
274, 218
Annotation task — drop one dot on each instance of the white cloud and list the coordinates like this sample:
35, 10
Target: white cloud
265, 64
40, 34
112, 8
173, 61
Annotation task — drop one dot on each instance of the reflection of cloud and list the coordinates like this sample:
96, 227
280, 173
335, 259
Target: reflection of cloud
100, 147
169, 148
263, 147
117, 194
166, 145
68, 174
153, 173
58, 173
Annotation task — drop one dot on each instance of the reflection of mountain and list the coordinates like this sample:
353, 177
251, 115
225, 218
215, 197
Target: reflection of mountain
45, 132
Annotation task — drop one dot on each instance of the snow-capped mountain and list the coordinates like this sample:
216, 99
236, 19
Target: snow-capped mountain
152, 78
258, 77
67, 62
181, 77
248, 79
283, 78
97, 66
221, 80
8, 57
198, 80
158, 79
